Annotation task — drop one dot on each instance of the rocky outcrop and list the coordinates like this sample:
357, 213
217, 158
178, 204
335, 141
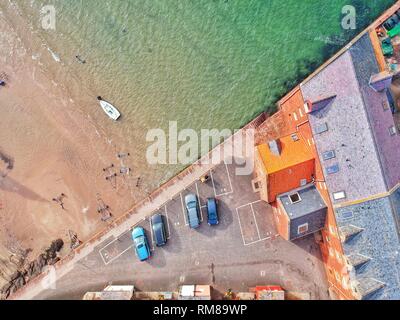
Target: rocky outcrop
21, 277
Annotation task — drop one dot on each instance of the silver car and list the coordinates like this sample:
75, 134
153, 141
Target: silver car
192, 210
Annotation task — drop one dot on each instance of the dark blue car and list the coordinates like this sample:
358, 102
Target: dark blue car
158, 227
212, 212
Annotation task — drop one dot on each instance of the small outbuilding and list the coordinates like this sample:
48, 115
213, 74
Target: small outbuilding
300, 212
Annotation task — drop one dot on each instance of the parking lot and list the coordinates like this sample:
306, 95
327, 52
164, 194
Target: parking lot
244, 250
254, 217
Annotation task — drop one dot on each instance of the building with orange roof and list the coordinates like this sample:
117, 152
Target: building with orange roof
289, 167
282, 165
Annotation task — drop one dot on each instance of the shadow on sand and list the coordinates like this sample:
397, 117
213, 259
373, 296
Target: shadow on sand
10, 185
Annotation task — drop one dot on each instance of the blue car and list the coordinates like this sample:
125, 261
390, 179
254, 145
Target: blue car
212, 212
142, 247
158, 227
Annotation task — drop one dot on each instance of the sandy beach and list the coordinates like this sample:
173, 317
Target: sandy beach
63, 162
49, 148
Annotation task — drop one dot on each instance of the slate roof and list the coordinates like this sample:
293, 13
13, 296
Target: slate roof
311, 210
311, 201
358, 126
368, 160
387, 147
349, 132
378, 242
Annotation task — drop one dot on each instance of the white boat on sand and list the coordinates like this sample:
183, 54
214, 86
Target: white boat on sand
109, 109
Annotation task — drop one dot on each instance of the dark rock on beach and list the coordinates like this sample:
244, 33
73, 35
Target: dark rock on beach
34, 268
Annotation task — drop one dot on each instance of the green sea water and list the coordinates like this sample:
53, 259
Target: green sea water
203, 63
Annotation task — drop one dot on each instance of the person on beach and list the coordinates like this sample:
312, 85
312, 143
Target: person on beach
60, 201
2, 83
80, 60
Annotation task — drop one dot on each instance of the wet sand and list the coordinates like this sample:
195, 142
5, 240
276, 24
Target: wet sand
47, 148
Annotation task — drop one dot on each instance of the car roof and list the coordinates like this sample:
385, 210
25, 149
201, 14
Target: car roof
143, 252
193, 216
158, 235
211, 204
156, 218
137, 232
157, 226
190, 197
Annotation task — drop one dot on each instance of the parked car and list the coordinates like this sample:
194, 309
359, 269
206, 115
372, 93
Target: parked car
212, 212
192, 210
389, 24
395, 18
142, 247
158, 227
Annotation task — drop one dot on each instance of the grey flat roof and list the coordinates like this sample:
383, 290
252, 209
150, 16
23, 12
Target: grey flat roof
311, 201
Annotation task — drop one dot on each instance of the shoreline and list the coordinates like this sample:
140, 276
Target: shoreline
55, 149
63, 160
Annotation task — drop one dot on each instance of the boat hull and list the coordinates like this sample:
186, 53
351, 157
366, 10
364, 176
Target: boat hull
110, 110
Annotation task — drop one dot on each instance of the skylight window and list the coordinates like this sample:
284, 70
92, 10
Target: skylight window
332, 169
294, 197
392, 130
321, 128
347, 215
339, 195
328, 155
295, 137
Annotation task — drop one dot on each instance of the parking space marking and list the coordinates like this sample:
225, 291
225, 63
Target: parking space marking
229, 177
102, 257
105, 255
152, 247
111, 242
198, 197
108, 256
169, 229
201, 214
229, 180
212, 180
240, 226
151, 236
257, 241
183, 210
117, 256
245, 205
255, 221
